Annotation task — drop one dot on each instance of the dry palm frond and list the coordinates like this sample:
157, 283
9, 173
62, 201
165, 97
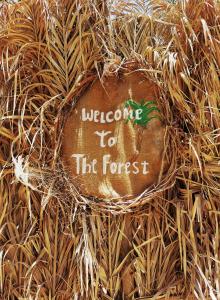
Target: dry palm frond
56, 244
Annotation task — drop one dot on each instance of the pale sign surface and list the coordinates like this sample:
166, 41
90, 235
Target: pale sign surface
113, 139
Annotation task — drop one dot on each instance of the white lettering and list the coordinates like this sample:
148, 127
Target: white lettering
108, 120
110, 142
87, 116
136, 169
117, 115
102, 135
138, 113
83, 166
110, 116
105, 162
145, 165
96, 114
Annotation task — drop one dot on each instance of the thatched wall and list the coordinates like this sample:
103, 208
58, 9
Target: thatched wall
53, 244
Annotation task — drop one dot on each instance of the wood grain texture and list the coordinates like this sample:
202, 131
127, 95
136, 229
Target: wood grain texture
134, 143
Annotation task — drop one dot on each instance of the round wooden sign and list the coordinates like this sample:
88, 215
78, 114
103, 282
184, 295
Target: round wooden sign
113, 139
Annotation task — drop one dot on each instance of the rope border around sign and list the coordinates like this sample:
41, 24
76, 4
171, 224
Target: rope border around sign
165, 181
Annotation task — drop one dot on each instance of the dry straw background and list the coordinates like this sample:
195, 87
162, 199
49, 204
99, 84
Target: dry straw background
52, 244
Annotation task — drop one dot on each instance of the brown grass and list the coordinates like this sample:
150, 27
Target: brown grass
53, 243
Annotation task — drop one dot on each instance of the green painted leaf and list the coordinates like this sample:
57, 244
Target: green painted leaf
146, 108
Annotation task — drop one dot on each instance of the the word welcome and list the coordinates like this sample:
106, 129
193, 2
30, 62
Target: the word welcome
110, 116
